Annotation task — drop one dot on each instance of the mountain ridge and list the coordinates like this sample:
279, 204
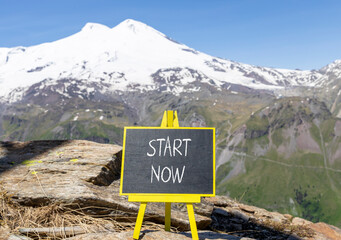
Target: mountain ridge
134, 54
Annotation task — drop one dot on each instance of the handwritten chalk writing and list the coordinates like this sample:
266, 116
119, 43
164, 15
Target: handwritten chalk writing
163, 174
150, 145
157, 175
176, 148
177, 174
167, 174
170, 148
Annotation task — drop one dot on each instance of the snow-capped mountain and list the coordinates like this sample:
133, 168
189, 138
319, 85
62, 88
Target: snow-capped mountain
130, 57
94, 83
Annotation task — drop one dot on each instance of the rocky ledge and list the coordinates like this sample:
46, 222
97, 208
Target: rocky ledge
84, 176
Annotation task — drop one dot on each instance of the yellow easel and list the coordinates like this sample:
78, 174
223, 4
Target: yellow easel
169, 119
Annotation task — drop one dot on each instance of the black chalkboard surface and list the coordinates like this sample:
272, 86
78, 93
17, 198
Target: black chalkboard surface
168, 161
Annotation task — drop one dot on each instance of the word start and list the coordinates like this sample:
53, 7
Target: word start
164, 147
168, 148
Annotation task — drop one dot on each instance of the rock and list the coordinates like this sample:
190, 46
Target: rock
221, 201
239, 214
294, 237
247, 209
61, 171
326, 231
251, 133
204, 208
220, 211
236, 226
81, 174
155, 235
277, 217
300, 221
288, 216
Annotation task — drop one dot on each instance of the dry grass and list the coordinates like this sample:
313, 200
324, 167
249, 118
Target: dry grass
14, 216
288, 228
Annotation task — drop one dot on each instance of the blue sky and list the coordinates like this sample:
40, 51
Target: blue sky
303, 34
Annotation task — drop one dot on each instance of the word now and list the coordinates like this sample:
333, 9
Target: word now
168, 147
167, 174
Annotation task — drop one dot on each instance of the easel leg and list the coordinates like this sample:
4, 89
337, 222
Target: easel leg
192, 222
139, 220
167, 216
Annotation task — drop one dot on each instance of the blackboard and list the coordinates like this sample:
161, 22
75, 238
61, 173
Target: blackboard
168, 161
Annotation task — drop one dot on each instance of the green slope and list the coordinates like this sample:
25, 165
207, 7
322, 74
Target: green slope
290, 162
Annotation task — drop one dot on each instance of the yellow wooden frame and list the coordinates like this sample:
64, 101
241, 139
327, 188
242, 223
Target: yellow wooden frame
169, 121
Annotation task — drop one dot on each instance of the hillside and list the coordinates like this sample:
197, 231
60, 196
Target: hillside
286, 157
104, 119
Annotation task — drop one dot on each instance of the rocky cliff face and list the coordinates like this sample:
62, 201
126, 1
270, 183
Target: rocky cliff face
76, 184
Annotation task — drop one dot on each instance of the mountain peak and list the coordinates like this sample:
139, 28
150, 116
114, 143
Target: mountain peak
131, 22
135, 26
94, 27
337, 61
334, 67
